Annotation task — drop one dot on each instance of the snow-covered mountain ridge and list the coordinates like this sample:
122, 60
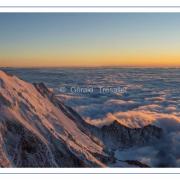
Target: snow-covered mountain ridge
38, 130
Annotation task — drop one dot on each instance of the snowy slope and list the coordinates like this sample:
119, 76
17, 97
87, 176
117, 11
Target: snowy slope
38, 130
31, 124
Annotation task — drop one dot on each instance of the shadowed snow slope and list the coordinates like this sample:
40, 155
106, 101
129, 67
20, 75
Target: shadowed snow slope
37, 130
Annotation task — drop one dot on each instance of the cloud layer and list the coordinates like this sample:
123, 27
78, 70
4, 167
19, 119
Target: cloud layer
152, 97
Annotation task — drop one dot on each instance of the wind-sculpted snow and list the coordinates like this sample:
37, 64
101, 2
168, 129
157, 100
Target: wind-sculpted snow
151, 97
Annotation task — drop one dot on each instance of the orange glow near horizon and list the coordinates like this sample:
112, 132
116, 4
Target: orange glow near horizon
93, 61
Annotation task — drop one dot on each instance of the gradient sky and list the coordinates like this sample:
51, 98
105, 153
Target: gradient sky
89, 39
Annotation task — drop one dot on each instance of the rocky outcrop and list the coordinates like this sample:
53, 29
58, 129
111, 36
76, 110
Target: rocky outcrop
117, 135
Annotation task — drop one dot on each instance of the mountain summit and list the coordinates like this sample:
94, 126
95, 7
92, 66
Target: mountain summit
38, 130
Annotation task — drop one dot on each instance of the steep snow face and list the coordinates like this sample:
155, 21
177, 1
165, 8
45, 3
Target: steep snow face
35, 132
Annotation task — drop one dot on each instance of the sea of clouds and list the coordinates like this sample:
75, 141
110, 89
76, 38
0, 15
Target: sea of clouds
149, 96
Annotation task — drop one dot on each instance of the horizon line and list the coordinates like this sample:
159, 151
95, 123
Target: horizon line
36, 67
